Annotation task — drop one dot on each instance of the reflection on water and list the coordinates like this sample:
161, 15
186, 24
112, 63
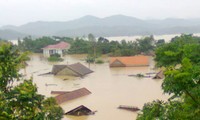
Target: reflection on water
110, 87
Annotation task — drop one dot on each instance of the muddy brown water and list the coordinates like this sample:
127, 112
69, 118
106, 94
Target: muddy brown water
110, 87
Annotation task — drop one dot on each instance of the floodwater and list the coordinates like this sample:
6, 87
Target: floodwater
110, 87
166, 37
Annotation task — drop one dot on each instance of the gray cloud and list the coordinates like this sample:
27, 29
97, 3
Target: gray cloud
19, 12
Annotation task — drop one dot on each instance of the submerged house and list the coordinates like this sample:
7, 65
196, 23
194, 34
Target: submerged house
132, 61
64, 97
79, 111
159, 75
59, 48
76, 69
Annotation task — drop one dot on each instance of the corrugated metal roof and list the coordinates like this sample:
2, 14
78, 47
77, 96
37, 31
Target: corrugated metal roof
139, 60
72, 95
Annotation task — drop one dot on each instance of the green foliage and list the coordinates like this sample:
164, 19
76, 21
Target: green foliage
160, 42
55, 58
152, 111
99, 61
79, 46
173, 53
22, 102
146, 44
65, 39
10, 63
114, 48
29, 44
51, 109
103, 45
90, 59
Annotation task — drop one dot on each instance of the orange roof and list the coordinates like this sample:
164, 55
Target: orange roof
139, 60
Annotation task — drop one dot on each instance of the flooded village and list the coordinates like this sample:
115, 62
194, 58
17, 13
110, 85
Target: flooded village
114, 85
99, 60
109, 87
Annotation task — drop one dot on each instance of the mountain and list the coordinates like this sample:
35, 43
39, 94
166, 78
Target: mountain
10, 34
116, 25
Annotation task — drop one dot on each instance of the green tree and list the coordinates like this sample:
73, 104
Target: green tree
79, 46
10, 63
103, 45
172, 53
146, 44
35, 45
93, 44
21, 102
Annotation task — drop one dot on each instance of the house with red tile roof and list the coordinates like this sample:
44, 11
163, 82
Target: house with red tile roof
59, 48
130, 61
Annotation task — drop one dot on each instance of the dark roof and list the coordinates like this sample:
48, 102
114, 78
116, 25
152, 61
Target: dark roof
80, 110
72, 95
77, 68
57, 68
80, 69
159, 75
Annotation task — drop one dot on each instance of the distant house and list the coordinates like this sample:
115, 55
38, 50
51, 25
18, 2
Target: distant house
79, 111
76, 69
66, 96
132, 61
59, 48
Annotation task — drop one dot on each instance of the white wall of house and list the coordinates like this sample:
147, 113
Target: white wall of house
48, 52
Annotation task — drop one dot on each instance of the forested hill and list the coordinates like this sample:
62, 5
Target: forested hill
117, 25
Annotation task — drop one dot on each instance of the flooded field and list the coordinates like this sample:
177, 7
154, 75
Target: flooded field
110, 87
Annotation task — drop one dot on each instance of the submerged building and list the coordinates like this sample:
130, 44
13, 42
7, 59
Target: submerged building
71, 95
131, 61
79, 111
76, 69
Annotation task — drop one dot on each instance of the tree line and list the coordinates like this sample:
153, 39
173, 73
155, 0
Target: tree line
93, 46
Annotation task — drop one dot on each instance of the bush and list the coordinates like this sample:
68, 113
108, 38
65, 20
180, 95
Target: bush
90, 59
55, 55
55, 58
99, 61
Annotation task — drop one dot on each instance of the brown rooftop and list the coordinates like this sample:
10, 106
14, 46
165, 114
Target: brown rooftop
72, 95
78, 68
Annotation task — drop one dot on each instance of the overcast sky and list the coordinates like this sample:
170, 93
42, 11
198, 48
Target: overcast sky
18, 12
